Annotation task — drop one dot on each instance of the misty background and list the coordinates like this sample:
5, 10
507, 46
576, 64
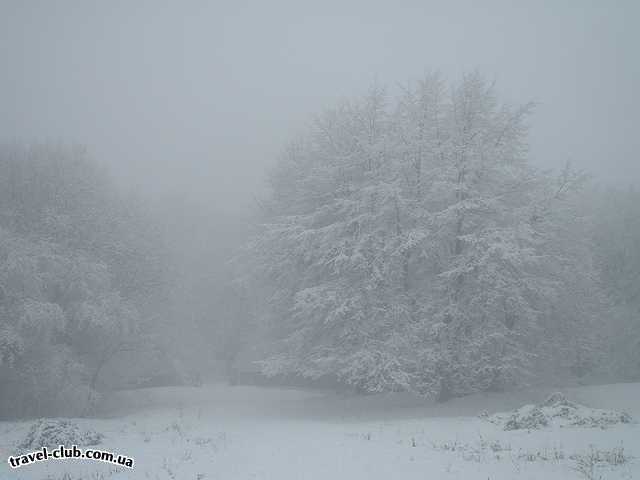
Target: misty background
196, 99
188, 106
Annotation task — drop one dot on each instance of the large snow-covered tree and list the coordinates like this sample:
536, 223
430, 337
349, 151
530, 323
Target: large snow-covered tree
408, 245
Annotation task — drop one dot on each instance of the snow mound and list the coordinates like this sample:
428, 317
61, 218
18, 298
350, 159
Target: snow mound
55, 432
556, 410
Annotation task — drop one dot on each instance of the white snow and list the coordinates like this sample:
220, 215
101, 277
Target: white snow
221, 432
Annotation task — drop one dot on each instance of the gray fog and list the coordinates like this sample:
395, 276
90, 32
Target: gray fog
200, 96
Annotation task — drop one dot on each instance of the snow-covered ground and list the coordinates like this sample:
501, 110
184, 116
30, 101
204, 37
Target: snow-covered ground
221, 432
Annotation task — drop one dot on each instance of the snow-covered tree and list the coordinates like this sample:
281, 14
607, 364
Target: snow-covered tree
76, 268
408, 245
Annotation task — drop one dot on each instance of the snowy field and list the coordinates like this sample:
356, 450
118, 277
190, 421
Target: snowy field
220, 432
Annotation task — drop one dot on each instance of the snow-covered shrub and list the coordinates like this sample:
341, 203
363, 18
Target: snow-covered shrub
529, 417
55, 432
557, 410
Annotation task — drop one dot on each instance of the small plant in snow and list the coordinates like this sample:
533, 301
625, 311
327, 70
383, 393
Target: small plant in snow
555, 454
93, 476
168, 467
495, 446
176, 427
202, 441
595, 457
586, 465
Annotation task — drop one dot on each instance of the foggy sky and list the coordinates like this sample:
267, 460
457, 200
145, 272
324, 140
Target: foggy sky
199, 97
